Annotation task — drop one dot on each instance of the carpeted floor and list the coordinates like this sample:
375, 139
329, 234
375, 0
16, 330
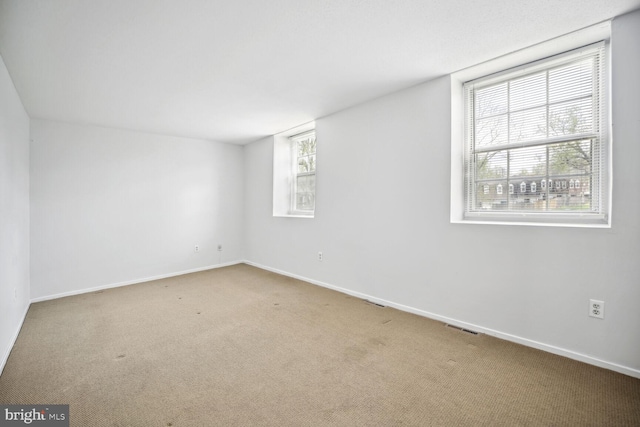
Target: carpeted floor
239, 346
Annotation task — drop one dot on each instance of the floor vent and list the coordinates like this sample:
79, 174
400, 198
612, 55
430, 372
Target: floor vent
374, 303
469, 331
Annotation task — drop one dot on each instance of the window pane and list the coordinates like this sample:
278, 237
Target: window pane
302, 147
489, 197
570, 158
491, 100
306, 183
527, 196
491, 131
307, 164
526, 92
303, 165
305, 201
306, 146
528, 161
491, 165
305, 192
571, 81
528, 125
564, 198
571, 117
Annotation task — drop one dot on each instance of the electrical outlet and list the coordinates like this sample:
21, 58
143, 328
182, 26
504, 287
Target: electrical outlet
596, 308
320, 256
196, 248
219, 247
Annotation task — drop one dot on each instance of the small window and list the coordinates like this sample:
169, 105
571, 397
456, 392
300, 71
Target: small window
499, 189
543, 184
510, 188
304, 183
294, 172
533, 187
523, 187
485, 189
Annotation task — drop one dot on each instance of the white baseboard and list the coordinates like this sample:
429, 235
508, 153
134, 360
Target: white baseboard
502, 335
5, 357
132, 282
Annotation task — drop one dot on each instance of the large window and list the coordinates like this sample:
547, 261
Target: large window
538, 131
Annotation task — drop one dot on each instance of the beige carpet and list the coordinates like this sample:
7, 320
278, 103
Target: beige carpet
239, 346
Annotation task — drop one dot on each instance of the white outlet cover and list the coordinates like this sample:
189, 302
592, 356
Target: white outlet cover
596, 308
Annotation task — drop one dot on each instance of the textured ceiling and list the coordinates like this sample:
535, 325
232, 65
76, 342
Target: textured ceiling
235, 71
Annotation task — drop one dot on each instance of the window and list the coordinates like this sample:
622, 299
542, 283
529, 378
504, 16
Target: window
294, 172
544, 121
304, 184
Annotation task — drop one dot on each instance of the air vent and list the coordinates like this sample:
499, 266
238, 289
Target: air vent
469, 331
374, 303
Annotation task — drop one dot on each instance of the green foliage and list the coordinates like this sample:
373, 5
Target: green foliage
307, 147
306, 155
485, 169
570, 157
569, 121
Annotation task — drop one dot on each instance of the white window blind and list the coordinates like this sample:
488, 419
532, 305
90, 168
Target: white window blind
537, 130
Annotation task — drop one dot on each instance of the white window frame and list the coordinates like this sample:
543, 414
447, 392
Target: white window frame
295, 141
528, 56
284, 173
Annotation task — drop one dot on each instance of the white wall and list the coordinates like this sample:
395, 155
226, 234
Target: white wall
112, 206
382, 222
14, 213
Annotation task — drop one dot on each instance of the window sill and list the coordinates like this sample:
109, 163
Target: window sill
308, 216
536, 220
